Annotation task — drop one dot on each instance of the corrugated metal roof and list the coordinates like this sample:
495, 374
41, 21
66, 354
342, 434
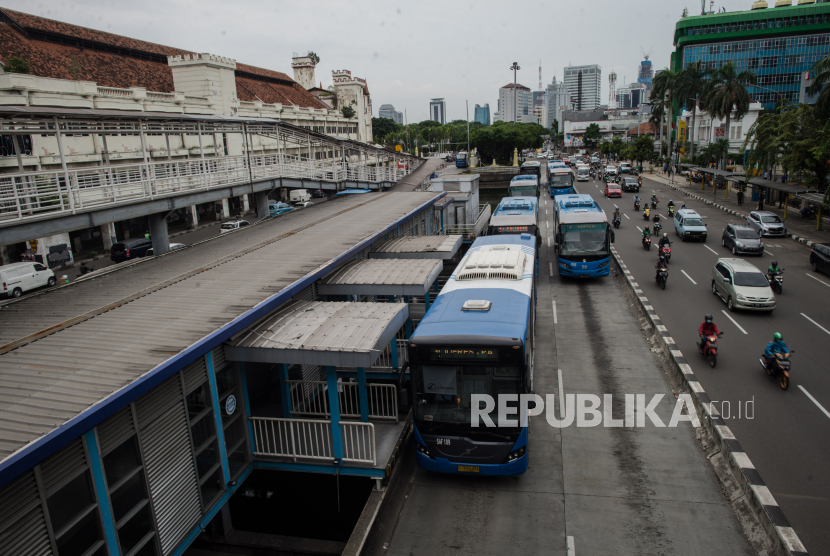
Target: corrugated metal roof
382, 277
321, 333
423, 247
59, 385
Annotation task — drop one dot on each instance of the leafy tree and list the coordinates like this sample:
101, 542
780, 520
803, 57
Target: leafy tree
348, 112
16, 65
498, 140
821, 77
384, 126
641, 149
694, 84
592, 135
664, 90
617, 146
605, 148
729, 94
658, 113
314, 58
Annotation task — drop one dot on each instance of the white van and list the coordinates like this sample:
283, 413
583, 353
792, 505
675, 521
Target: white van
17, 278
582, 173
298, 196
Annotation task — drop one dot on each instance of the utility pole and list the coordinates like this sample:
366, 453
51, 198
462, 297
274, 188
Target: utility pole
467, 102
515, 67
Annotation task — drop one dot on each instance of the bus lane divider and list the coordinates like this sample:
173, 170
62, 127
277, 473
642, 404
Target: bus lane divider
754, 500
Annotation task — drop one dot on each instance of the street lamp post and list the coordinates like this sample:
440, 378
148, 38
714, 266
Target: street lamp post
515, 67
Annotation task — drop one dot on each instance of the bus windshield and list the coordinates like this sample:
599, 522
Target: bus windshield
588, 241
442, 392
559, 180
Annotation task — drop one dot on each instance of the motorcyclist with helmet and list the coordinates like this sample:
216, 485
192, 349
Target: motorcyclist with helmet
661, 265
773, 268
664, 240
707, 328
777, 345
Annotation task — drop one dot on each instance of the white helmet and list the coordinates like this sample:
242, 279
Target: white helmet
665, 234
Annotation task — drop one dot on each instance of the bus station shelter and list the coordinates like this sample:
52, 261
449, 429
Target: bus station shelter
420, 247
785, 190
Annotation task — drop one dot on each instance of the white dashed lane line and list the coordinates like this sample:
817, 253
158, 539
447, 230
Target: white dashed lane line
817, 280
710, 249
815, 401
554, 311
734, 322
626, 216
814, 322
689, 277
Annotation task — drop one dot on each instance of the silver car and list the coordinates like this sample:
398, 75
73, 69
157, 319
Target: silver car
742, 286
742, 239
766, 223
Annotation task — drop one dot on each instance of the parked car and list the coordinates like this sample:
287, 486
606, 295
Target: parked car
742, 286
613, 190
234, 225
766, 223
820, 257
630, 184
742, 239
173, 247
318, 193
129, 249
17, 278
689, 225
276, 208
304, 205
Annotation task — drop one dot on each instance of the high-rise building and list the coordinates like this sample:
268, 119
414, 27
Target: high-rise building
482, 114
388, 111
584, 84
438, 110
556, 100
778, 44
524, 104
645, 75
639, 93
623, 97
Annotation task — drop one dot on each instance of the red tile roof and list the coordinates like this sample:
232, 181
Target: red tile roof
645, 128
127, 68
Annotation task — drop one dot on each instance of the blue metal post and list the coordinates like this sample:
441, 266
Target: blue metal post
442, 221
435, 286
393, 348
334, 410
426, 300
285, 395
97, 468
408, 325
362, 394
247, 406
217, 416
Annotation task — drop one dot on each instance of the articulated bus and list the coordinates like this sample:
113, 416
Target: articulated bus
524, 185
516, 215
477, 338
560, 180
582, 238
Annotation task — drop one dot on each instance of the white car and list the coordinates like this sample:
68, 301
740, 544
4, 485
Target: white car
742, 286
173, 247
17, 278
303, 205
611, 170
233, 226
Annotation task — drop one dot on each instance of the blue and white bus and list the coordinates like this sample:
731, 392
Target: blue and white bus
582, 237
516, 215
461, 160
560, 179
477, 338
524, 185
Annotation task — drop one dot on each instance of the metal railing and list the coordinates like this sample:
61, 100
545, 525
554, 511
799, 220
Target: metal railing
30, 195
294, 438
383, 402
472, 231
309, 398
359, 442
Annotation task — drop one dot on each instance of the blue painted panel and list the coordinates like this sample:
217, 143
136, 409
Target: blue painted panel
334, 411
362, 395
217, 417
97, 468
247, 406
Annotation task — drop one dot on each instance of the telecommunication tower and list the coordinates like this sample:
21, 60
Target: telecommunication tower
540, 75
612, 85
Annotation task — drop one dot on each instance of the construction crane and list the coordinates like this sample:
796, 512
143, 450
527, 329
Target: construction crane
646, 54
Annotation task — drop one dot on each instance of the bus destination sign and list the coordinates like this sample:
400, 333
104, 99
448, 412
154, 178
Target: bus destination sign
446, 354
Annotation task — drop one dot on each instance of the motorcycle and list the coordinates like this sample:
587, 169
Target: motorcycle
776, 281
778, 367
662, 276
637, 204
654, 203
646, 213
592, 173
665, 251
709, 349
86, 269
808, 212
647, 242
657, 228
616, 221
671, 211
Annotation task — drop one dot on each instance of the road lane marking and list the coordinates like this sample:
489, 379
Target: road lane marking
548, 242
710, 249
551, 268
816, 279
641, 231
561, 396
571, 548
767, 252
546, 212
554, 306
626, 216
689, 277
814, 322
815, 401
734, 321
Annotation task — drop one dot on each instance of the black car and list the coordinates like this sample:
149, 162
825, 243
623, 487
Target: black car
820, 257
129, 249
742, 239
630, 184
317, 193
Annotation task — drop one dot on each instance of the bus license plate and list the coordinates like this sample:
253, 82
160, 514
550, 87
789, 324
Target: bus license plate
468, 469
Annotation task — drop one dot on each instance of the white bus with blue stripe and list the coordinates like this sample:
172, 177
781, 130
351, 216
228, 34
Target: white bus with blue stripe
582, 237
560, 179
476, 338
514, 216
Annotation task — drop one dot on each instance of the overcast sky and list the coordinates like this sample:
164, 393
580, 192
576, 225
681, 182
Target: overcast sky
409, 52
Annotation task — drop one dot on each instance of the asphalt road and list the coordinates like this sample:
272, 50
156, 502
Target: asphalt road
600, 490
785, 433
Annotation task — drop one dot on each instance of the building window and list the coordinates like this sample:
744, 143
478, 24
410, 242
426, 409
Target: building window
205, 447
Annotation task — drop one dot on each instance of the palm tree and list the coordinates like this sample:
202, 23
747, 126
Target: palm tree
694, 84
656, 118
665, 85
821, 77
728, 93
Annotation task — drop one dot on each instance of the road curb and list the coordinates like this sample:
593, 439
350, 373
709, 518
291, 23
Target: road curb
793, 237
767, 511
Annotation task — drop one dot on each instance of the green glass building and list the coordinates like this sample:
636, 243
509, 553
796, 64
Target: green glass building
779, 44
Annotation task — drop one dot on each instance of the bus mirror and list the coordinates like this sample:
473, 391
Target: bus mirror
612, 236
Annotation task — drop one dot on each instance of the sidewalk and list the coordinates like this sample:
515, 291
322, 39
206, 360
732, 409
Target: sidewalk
798, 228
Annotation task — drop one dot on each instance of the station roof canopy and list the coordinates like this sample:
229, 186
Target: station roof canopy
790, 188
382, 277
715, 172
423, 247
321, 333
815, 198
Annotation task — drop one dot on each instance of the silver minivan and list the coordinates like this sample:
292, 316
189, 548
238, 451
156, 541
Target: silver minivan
742, 286
17, 278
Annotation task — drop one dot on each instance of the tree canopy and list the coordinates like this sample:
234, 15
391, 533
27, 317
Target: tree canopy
592, 135
381, 127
